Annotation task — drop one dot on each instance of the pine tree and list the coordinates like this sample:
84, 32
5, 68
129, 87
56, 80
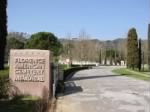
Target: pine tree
132, 49
3, 31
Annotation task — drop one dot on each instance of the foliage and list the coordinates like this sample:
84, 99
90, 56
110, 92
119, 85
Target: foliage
45, 41
132, 49
15, 40
13, 43
110, 53
113, 56
4, 87
63, 66
3, 31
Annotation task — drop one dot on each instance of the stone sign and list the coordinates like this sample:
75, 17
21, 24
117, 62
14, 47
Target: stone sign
30, 71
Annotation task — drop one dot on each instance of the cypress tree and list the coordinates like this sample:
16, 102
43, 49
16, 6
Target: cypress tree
105, 58
149, 46
132, 49
115, 58
100, 57
105, 61
140, 55
142, 64
3, 31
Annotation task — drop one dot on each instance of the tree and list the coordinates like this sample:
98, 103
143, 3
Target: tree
132, 49
100, 57
21, 36
113, 56
105, 58
142, 60
15, 40
140, 55
45, 41
149, 46
3, 31
13, 43
85, 48
68, 48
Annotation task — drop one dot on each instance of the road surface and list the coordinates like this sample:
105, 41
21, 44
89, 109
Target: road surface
100, 90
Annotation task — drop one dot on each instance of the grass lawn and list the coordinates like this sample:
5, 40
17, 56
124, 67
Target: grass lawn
132, 73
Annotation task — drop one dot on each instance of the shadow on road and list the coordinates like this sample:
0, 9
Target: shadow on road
70, 88
93, 77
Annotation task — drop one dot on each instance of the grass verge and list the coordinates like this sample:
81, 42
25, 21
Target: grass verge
5, 72
132, 73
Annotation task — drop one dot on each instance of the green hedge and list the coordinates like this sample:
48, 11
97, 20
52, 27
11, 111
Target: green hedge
70, 71
90, 65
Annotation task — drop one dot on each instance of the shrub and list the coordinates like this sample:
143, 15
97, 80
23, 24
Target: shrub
4, 87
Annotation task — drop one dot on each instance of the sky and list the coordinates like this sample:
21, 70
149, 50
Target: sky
101, 19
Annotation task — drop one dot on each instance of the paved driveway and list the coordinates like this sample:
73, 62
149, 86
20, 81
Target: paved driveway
99, 90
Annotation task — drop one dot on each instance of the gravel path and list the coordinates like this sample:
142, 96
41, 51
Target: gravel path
100, 90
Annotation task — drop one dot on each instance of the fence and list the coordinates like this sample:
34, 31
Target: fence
56, 75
